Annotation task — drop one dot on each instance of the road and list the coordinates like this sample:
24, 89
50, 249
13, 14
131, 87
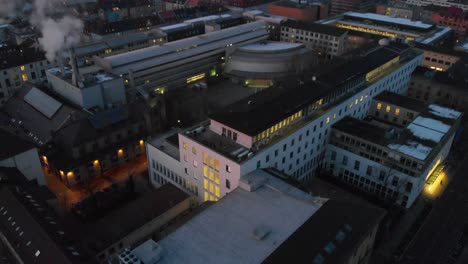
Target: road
439, 235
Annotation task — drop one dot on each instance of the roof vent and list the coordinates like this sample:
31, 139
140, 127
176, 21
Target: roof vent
384, 42
260, 232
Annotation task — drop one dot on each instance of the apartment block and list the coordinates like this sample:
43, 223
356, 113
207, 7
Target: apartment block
285, 127
397, 151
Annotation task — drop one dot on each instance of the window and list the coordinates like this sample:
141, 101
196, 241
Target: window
228, 168
333, 155
205, 171
259, 163
397, 111
194, 150
234, 136
345, 160
356, 165
267, 158
228, 184
395, 181
195, 163
369, 170
276, 153
388, 108
409, 186
185, 145
216, 163
284, 147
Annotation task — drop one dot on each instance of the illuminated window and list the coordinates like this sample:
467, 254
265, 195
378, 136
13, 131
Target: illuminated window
356, 102
205, 158
205, 184
379, 106
211, 187
185, 145
194, 150
217, 192
362, 98
216, 165
24, 76
207, 197
217, 178
22, 68
211, 175
195, 163
397, 111
212, 162
205, 171
328, 120
388, 108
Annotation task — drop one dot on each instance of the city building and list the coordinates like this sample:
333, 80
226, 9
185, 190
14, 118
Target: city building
75, 145
104, 46
273, 22
183, 30
31, 232
405, 10
246, 3
262, 64
400, 29
299, 11
87, 90
444, 3
22, 155
217, 22
327, 40
285, 127
439, 58
133, 222
20, 63
444, 88
342, 6
113, 11
180, 63
255, 212
455, 18
393, 154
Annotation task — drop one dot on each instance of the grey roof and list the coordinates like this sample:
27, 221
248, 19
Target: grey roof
23, 119
158, 55
243, 227
131, 216
333, 233
401, 100
12, 145
30, 226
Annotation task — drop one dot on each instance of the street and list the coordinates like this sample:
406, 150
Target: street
437, 240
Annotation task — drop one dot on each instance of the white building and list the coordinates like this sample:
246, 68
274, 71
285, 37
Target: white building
286, 127
248, 226
327, 40
393, 159
182, 62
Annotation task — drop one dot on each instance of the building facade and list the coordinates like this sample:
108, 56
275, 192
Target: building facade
327, 40
455, 18
394, 162
343, 6
213, 156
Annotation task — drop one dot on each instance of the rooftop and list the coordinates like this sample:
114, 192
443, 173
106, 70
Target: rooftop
401, 100
85, 79
12, 145
24, 119
332, 234
29, 223
270, 46
154, 56
254, 213
394, 20
314, 27
257, 112
131, 216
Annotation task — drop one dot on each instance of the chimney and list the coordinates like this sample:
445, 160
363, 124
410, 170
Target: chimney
74, 65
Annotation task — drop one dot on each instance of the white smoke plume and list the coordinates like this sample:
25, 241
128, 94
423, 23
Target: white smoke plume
58, 34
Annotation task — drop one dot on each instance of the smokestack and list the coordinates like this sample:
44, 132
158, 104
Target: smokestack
74, 65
